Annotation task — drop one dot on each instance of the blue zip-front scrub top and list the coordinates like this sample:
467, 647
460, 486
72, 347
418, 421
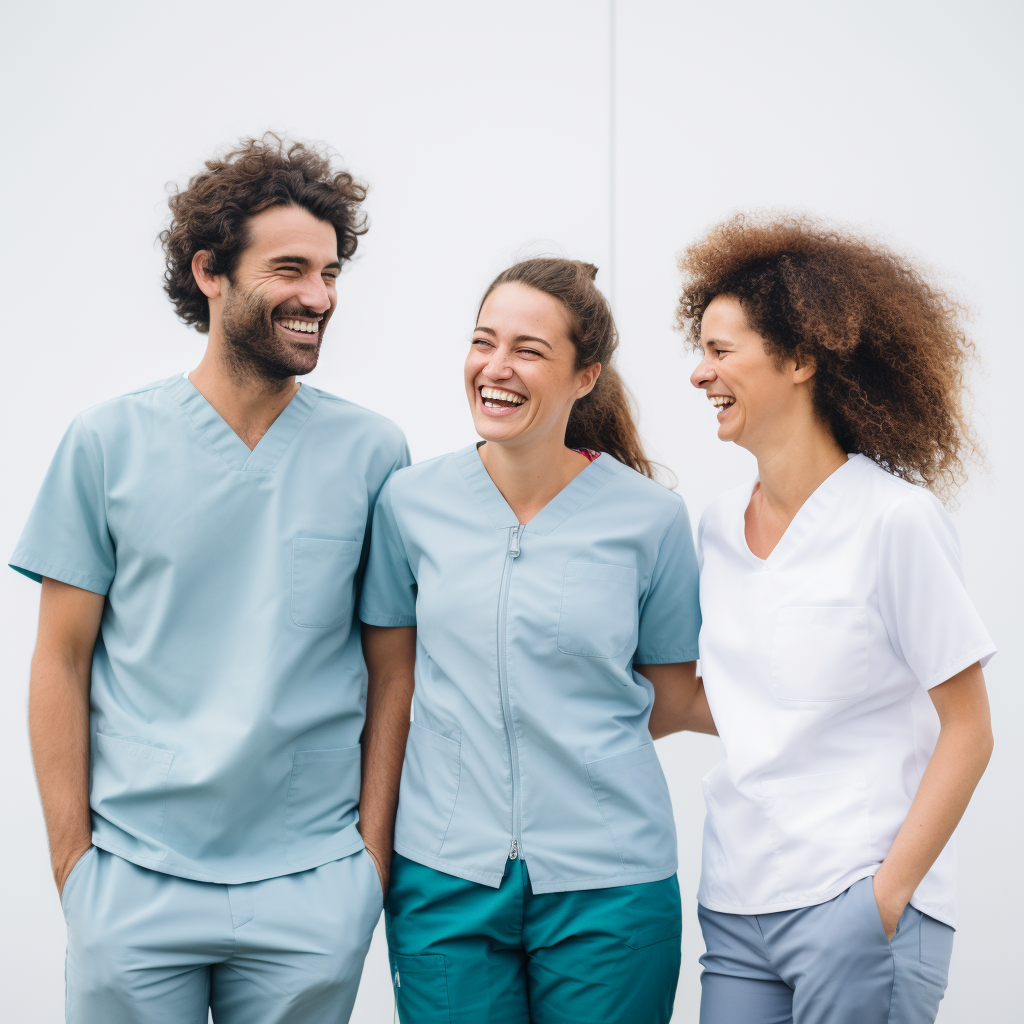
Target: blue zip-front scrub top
228, 685
530, 733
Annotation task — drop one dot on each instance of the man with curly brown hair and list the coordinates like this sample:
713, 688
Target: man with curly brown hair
197, 691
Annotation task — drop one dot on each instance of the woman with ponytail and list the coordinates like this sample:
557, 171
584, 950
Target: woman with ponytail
534, 598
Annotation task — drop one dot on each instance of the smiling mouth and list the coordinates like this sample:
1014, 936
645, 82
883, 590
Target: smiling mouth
721, 402
305, 330
499, 398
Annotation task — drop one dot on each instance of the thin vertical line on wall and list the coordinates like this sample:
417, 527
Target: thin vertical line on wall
612, 168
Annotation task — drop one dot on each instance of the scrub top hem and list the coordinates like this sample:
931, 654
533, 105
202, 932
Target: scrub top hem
809, 900
719, 907
578, 884
35, 569
215, 878
493, 879
449, 867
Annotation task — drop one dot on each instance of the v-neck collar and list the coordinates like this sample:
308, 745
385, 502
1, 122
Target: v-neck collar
213, 428
584, 485
810, 513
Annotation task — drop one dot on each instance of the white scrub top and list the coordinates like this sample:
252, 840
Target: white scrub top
530, 735
816, 662
228, 685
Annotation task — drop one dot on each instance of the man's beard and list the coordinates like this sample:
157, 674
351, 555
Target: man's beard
254, 350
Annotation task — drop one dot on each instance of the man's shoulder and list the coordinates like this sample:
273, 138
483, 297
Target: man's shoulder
113, 412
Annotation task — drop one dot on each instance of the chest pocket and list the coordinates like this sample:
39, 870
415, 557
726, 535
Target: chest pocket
820, 653
598, 616
323, 580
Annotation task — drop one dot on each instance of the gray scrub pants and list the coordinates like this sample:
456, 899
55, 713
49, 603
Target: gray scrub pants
826, 964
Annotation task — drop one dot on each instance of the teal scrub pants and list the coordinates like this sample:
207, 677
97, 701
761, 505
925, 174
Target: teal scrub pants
464, 953
150, 948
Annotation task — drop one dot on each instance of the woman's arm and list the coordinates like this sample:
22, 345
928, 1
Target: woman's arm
961, 755
390, 654
679, 699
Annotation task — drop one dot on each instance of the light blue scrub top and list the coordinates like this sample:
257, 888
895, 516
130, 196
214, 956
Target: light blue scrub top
530, 734
228, 685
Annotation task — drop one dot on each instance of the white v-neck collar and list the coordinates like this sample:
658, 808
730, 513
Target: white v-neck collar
808, 515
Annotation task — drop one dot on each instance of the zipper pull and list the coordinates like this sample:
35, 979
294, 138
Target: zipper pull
514, 852
514, 533
398, 980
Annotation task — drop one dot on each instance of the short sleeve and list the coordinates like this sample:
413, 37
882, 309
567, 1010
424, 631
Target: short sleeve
670, 615
389, 586
931, 621
66, 537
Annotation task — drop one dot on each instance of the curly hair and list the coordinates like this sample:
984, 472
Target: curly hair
213, 212
890, 350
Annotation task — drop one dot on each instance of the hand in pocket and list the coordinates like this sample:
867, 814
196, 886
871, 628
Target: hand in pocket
890, 906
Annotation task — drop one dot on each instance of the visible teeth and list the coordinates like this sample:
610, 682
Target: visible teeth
301, 325
721, 401
502, 396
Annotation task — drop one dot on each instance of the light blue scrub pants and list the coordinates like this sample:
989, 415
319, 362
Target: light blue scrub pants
150, 948
826, 964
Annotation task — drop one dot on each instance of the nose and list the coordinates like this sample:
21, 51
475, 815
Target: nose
313, 293
497, 367
703, 375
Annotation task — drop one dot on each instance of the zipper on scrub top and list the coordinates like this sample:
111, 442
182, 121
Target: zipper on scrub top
512, 552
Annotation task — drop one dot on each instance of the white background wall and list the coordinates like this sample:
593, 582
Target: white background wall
484, 131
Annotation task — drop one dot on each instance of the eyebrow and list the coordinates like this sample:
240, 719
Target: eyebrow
302, 262
518, 337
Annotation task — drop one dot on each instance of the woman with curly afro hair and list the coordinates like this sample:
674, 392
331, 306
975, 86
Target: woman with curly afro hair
841, 655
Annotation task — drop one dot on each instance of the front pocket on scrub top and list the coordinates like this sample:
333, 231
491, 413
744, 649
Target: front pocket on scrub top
323, 580
820, 653
598, 616
633, 796
430, 786
129, 784
323, 793
820, 830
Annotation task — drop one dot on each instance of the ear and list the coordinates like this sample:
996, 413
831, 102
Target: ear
804, 367
209, 284
588, 378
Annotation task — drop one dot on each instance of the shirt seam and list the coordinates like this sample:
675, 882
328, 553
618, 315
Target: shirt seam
103, 487
657, 559
611, 834
390, 498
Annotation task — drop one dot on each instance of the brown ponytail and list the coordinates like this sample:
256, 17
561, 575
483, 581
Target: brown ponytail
602, 420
